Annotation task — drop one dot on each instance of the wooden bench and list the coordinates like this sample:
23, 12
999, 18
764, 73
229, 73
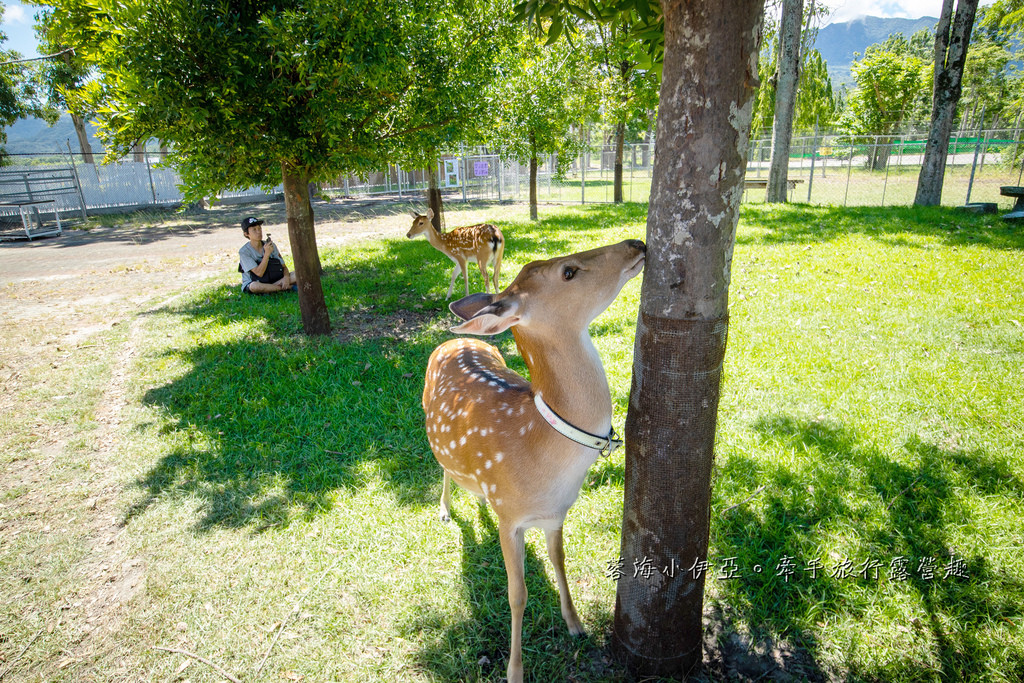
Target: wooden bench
32, 220
1017, 212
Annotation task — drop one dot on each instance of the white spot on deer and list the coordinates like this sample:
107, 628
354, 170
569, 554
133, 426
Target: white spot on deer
487, 465
462, 441
498, 456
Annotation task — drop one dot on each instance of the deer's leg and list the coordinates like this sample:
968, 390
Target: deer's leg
451, 285
446, 498
483, 271
497, 265
465, 274
572, 620
513, 550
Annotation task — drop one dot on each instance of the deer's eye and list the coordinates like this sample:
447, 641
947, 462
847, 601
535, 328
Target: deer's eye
569, 272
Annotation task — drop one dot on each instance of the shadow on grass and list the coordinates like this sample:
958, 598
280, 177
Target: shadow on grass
803, 224
482, 638
265, 424
847, 488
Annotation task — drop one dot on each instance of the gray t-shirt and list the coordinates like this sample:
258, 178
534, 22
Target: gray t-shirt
250, 257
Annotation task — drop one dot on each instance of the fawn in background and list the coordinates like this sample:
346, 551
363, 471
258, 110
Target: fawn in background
481, 244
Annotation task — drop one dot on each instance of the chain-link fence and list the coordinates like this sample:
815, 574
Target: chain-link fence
826, 169
880, 170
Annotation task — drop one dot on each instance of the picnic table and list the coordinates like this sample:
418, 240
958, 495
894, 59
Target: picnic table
1017, 212
32, 219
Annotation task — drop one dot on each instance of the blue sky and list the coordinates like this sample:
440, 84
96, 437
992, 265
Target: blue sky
18, 18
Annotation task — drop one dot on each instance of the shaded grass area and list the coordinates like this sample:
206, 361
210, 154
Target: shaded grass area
869, 413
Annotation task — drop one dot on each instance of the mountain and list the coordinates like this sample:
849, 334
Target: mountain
837, 43
34, 136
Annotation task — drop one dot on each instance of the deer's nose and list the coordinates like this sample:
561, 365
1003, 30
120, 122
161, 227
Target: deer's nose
638, 245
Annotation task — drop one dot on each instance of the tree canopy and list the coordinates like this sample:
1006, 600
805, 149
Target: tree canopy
329, 86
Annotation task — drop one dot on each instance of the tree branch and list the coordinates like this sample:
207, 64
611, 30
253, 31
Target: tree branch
36, 59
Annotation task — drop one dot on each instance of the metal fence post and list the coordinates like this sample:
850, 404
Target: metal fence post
78, 182
149, 169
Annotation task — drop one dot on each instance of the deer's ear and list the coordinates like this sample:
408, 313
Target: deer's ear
430, 214
469, 306
492, 319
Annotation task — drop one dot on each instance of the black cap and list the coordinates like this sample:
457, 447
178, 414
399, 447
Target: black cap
249, 222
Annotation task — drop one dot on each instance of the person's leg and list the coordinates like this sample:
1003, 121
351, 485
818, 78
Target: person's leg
256, 287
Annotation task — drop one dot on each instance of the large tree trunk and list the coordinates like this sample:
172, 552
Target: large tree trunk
950, 57
83, 139
434, 197
302, 236
681, 331
785, 99
620, 142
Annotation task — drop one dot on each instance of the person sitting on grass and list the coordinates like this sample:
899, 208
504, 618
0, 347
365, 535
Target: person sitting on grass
263, 269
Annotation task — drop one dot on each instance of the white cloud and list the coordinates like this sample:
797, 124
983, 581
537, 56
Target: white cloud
15, 13
845, 10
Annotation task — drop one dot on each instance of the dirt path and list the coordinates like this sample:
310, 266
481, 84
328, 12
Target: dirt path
55, 294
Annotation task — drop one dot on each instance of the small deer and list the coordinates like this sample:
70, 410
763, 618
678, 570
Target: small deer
525, 447
480, 244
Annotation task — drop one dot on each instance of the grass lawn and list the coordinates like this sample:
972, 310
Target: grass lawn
277, 494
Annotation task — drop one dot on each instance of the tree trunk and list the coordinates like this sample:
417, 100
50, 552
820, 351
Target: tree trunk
620, 142
682, 326
533, 178
83, 139
302, 236
950, 57
434, 197
139, 151
785, 99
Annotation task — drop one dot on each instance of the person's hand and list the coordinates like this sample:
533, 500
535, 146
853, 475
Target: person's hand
268, 247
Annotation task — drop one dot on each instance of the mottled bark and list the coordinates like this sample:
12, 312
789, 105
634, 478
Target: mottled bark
950, 57
302, 236
702, 143
785, 99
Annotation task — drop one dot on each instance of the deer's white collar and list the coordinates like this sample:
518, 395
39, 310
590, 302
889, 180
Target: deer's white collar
605, 444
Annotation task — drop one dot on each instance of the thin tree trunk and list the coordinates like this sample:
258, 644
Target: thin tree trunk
950, 57
139, 151
434, 200
302, 236
533, 178
785, 99
681, 331
620, 141
83, 139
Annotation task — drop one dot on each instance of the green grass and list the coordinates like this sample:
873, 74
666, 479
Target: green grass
870, 410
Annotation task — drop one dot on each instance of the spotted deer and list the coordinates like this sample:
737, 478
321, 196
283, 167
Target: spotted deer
525, 447
480, 244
